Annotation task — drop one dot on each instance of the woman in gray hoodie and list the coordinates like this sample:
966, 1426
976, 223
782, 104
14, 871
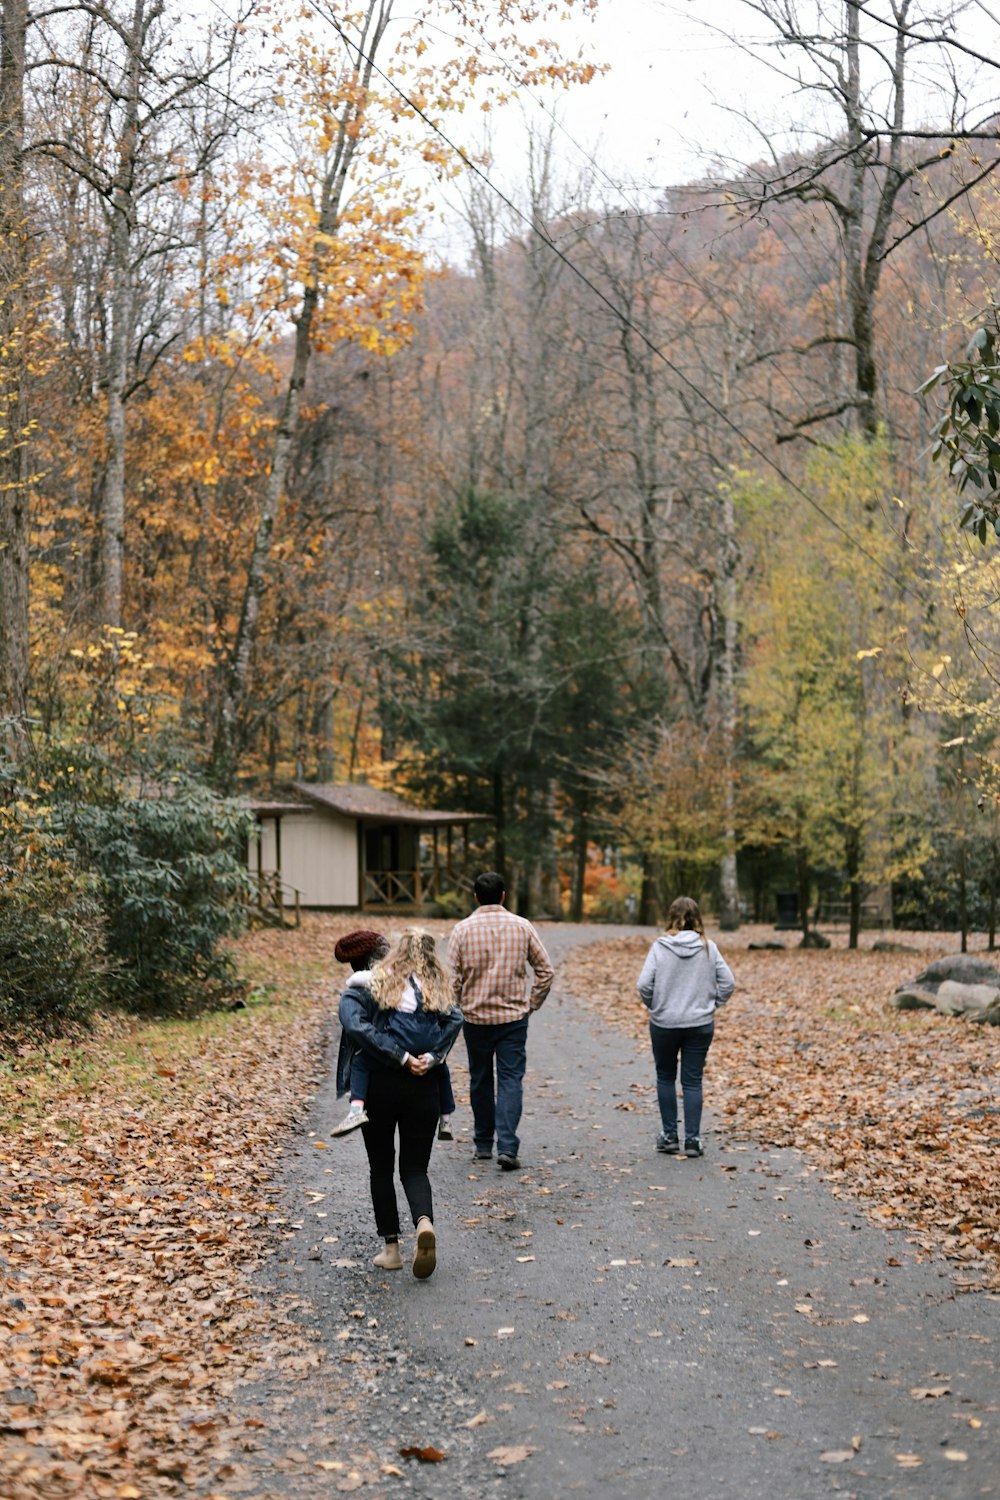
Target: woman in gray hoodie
683, 981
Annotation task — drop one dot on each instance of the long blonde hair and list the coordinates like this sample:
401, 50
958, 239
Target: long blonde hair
413, 955
685, 916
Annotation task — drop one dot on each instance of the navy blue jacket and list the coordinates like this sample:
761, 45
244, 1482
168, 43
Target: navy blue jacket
364, 1026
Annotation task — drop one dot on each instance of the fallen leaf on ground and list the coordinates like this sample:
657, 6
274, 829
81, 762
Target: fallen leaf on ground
895, 1132
929, 1392
479, 1420
507, 1456
908, 1460
956, 1455
425, 1455
836, 1456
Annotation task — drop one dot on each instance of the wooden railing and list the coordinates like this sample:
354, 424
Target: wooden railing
391, 888
277, 903
410, 887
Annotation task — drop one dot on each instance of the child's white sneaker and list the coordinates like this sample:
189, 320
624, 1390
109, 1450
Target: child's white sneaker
355, 1116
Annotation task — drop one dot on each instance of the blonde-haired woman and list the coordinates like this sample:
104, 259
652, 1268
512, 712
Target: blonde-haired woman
404, 1020
683, 981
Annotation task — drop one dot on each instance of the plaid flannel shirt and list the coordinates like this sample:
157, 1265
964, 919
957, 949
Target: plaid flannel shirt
490, 953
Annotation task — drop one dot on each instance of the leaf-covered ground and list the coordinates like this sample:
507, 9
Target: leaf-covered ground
138, 1185
901, 1108
135, 1195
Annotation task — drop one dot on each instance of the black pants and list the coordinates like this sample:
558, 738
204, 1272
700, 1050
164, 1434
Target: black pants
399, 1100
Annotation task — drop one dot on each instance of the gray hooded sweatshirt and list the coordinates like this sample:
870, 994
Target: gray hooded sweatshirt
683, 980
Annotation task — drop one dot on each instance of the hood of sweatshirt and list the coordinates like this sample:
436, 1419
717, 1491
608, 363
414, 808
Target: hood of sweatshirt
683, 944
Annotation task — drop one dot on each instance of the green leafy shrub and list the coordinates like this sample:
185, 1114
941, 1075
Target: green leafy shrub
173, 885
452, 906
51, 932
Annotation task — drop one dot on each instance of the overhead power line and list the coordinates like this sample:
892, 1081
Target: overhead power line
626, 322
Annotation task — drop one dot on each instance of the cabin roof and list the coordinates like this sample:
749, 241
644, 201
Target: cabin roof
353, 799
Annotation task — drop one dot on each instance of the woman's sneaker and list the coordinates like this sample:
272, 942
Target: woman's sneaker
668, 1144
355, 1116
692, 1146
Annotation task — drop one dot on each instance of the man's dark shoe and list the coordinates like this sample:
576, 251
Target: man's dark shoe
508, 1163
482, 1154
692, 1146
668, 1144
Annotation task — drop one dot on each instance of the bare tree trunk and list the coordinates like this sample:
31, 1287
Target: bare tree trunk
729, 889
231, 727
649, 899
14, 663
579, 864
500, 827
123, 224
802, 879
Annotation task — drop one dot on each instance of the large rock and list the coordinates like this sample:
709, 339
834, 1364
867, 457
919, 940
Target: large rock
956, 986
912, 998
959, 967
954, 999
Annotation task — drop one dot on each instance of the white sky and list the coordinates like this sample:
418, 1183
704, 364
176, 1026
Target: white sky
672, 101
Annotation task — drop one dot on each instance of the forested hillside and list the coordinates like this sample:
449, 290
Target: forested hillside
622, 527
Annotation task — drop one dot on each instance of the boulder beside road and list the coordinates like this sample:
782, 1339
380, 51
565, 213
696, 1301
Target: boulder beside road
954, 986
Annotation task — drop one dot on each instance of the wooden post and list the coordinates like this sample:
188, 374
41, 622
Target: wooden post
418, 894
362, 870
437, 864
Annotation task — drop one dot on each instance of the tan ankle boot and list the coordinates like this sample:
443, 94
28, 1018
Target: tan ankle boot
425, 1255
389, 1258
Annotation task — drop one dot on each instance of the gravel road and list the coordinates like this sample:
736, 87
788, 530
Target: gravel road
608, 1321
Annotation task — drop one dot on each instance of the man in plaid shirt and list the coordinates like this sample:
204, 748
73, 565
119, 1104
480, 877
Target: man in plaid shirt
490, 954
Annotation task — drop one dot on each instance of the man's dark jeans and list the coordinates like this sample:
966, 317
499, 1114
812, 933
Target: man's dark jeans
496, 1106
691, 1044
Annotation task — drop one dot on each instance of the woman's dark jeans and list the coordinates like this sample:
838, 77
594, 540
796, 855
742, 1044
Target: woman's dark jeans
691, 1044
403, 1101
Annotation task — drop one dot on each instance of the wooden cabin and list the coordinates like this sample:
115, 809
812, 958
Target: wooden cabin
352, 847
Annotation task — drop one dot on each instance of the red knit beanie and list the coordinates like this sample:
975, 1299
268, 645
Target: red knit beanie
359, 947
